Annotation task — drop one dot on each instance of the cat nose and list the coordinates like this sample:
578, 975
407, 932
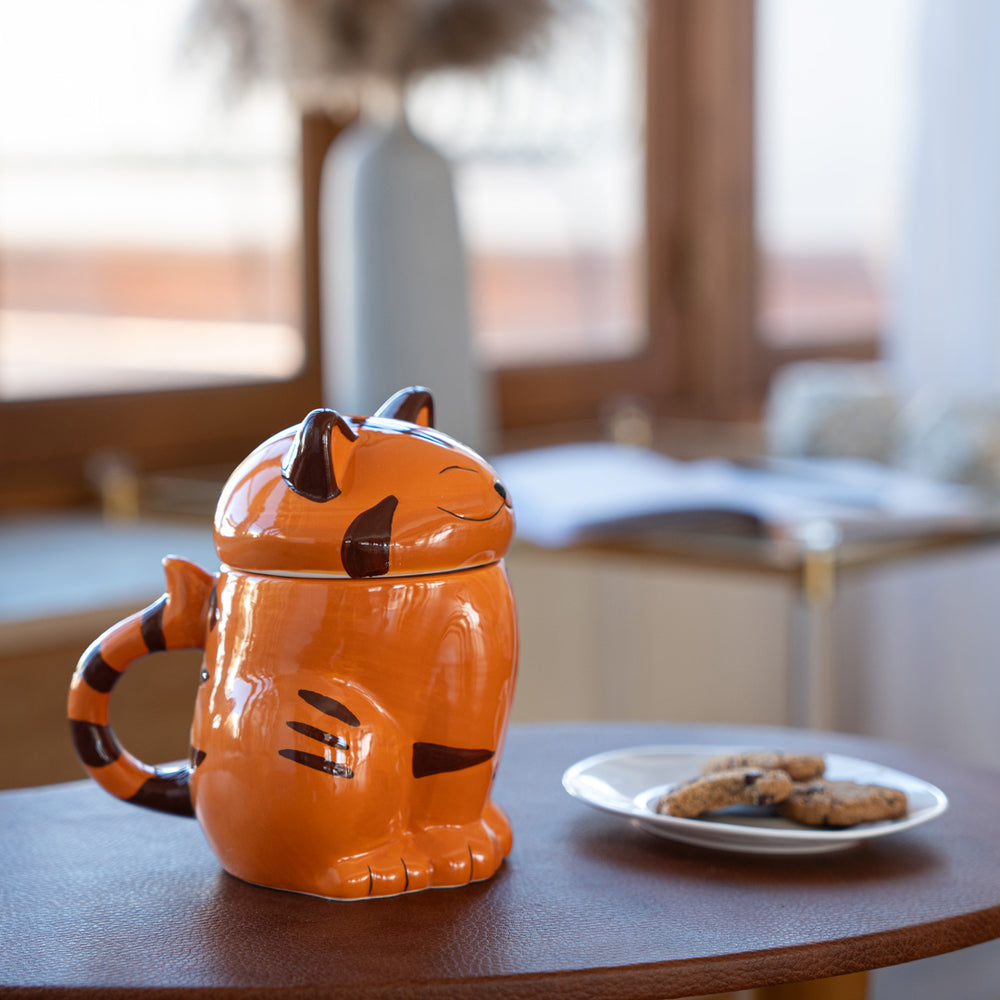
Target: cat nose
499, 487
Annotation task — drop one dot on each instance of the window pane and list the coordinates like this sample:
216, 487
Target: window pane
834, 106
548, 172
147, 231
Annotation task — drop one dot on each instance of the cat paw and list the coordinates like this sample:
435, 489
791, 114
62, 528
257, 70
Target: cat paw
496, 819
387, 871
471, 852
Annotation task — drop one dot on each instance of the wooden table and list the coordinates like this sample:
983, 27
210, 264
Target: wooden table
99, 895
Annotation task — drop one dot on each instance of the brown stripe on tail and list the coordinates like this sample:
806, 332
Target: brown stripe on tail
95, 745
166, 791
100, 676
436, 758
151, 626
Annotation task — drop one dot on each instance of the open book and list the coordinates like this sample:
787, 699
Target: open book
578, 492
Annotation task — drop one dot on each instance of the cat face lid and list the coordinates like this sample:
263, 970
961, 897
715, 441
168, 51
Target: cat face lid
349, 496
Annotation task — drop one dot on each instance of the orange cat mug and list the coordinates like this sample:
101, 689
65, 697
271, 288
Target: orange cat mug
360, 651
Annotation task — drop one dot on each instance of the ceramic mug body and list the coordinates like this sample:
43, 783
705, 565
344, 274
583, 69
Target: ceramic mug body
346, 732
360, 646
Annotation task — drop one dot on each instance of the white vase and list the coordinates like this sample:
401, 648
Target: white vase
395, 289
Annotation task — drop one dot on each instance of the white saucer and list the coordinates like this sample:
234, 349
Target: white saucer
629, 783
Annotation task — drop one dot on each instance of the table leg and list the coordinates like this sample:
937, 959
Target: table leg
811, 694
852, 987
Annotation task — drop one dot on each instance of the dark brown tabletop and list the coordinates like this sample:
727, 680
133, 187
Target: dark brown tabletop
102, 896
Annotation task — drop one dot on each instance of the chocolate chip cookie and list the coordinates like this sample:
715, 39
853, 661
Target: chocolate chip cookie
798, 766
841, 803
748, 786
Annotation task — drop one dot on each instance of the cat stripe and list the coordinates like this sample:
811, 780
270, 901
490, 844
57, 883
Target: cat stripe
336, 710
95, 745
436, 758
428, 758
365, 548
151, 626
329, 706
213, 608
101, 676
319, 735
166, 791
318, 763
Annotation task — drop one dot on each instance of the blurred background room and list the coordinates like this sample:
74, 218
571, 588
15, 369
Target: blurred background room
751, 231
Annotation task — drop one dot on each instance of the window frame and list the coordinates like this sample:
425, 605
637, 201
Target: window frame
702, 357
46, 444
699, 358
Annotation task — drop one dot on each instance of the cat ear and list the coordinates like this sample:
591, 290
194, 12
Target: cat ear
414, 404
321, 444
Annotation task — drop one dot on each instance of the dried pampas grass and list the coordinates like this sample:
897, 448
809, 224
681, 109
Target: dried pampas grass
326, 49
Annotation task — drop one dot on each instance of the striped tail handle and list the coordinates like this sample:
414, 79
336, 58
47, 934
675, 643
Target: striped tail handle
178, 620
